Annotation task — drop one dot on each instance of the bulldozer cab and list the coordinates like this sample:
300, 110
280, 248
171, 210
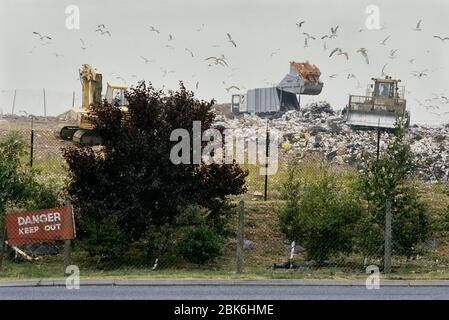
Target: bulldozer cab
382, 105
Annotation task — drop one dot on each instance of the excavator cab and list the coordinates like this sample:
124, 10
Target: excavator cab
382, 105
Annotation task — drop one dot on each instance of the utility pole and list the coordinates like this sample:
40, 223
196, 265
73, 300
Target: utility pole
45, 105
239, 266
73, 100
14, 102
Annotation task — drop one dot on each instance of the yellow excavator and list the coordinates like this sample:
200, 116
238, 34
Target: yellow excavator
91, 85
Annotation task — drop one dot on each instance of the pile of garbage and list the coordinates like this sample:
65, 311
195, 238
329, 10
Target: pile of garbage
318, 128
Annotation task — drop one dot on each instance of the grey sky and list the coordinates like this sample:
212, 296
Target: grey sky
258, 27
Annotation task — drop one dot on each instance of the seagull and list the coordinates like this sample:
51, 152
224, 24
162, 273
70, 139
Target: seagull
383, 69
121, 78
333, 76
339, 52
393, 54
83, 45
42, 36
231, 88
218, 61
170, 46
197, 85
58, 55
170, 37
418, 26
308, 36
146, 59
201, 28
441, 38
104, 32
364, 53
412, 60
153, 29
419, 74
189, 51
352, 76
299, 24
384, 42
101, 26
231, 41
274, 52
334, 32
165, 72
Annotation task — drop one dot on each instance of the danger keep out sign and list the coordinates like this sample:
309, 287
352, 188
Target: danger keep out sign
40, 226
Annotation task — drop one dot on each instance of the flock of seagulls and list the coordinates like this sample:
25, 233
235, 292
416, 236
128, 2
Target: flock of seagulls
221, 61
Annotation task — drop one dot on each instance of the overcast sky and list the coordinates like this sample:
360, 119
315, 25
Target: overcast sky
259, 29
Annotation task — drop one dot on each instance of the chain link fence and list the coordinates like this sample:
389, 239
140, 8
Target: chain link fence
258, 245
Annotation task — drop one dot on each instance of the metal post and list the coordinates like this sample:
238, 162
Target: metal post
265, 197
32, 143
378, 144
67, 255
73, 99
240, 238
3, 240
388, 238
14, 102
45, 105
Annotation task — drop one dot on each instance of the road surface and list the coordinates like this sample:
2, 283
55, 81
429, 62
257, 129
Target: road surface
203, 292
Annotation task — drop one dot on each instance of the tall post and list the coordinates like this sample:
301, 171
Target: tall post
388, 238
240, 238
73, 100
378, 144
32, 142
3, 240
14, 102
45, 105
265, 197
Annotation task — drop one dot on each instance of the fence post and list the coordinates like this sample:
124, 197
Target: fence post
240, 238
265, 197
387, 249
32, 143
3, 247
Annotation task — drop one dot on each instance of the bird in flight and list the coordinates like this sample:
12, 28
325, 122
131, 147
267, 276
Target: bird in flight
170, 47
101, 26
274, 52
231, 40
419, 74
83, 45
153, 29
393, 54
170, 37
189, 51
42, 36
58, 55
412, 60
383, 70
201, 28
384, 42
418, 26
306, 39
441, 38
339, 52
334, 32
218, 60
232, 88
299, 24
146, 59
364, 53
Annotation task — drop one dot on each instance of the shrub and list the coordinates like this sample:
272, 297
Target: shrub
322, 210
132, 177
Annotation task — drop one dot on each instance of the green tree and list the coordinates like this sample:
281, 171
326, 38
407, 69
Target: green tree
390, 178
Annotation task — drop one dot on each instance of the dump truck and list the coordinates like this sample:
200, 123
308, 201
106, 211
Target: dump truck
382, 105
303, 78
91, 85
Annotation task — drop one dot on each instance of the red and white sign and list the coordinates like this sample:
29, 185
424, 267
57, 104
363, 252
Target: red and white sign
40, 226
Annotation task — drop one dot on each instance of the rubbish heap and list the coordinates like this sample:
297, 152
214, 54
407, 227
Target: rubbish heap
318, 128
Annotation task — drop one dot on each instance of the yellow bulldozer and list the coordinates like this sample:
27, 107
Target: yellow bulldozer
382, 105
91, 85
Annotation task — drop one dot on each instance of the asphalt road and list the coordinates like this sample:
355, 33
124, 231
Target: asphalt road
224, 292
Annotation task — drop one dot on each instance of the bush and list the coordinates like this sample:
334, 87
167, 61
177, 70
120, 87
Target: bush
132, 177
106, 243
322, 210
